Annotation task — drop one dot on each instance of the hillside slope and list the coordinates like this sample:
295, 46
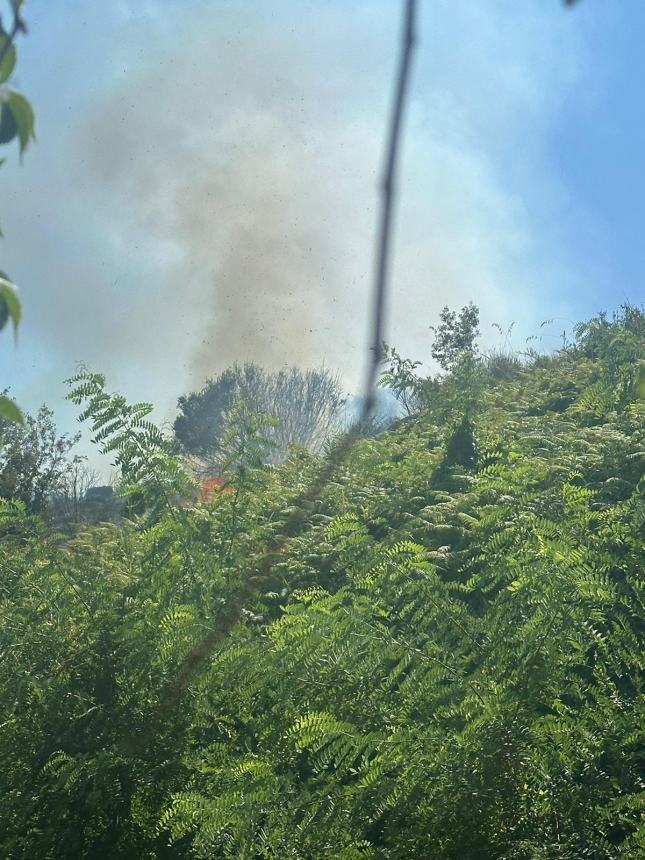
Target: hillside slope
439, 654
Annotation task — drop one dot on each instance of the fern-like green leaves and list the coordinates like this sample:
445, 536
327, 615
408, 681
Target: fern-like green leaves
445, 659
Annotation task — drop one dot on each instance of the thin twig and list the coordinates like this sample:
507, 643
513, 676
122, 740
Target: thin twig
388, 189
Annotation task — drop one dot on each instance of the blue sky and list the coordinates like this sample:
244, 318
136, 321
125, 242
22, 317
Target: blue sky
203, 189
598, 152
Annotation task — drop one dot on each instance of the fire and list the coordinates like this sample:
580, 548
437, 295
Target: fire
210, 487
206, 492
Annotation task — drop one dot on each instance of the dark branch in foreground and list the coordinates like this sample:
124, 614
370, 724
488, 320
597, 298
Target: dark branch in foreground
388, 191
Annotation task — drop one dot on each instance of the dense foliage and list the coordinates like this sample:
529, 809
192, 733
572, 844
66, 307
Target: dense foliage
304, 408
34, 460
436, 654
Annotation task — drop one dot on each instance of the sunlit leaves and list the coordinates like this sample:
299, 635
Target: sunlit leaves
9, 310
16, 119
9, 304
444, 661
8, 59
9, 410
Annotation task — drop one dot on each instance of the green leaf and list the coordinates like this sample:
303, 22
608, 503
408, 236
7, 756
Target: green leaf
8, 61
16, 118
8, 126
9, 303
9, 411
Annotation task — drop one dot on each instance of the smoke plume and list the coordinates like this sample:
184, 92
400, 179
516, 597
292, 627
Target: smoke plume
205, 186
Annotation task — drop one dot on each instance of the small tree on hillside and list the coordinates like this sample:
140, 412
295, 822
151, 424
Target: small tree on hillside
202, 418
454, 348
455, 335
304, 407
399, 376
34, 465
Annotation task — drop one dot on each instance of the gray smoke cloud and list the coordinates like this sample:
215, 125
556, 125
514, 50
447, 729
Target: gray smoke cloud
205, 187
243, 163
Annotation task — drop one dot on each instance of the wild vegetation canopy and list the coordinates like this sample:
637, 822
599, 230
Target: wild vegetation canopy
442, 659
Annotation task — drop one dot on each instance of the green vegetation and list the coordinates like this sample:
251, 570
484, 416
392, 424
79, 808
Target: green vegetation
34, 462
16, 123
304, 409
439, 654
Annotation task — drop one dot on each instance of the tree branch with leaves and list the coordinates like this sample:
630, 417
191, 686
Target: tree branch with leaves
16, 121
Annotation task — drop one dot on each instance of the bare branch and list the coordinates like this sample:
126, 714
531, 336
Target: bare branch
388, 192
